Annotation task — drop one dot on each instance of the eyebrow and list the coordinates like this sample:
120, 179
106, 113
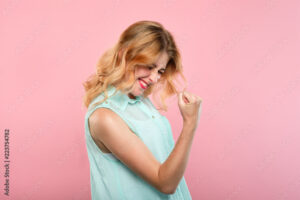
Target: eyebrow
156, 66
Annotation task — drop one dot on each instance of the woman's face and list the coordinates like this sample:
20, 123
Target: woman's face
146, 75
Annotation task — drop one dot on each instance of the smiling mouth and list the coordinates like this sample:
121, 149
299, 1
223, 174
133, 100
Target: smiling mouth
142, 84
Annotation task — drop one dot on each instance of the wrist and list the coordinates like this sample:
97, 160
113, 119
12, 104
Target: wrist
189, 125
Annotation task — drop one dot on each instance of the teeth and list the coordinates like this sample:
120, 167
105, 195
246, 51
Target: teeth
144, 84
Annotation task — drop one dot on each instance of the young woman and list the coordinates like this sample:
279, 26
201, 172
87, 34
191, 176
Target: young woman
130, 145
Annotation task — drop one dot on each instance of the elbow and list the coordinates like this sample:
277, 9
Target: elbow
165, 186
168, 190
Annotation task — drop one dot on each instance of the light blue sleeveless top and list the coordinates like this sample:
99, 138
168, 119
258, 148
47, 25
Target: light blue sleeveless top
112, 180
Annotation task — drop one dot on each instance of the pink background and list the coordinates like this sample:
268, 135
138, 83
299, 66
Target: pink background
240, 57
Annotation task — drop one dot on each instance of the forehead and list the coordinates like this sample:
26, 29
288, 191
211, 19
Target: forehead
161, 61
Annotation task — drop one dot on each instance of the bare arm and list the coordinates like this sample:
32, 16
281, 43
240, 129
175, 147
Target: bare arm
172, 170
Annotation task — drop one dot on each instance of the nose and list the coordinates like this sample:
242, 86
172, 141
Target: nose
154, 76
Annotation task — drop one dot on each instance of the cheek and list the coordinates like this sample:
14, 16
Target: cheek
140, 72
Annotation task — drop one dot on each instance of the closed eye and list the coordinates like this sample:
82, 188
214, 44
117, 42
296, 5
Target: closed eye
150, 68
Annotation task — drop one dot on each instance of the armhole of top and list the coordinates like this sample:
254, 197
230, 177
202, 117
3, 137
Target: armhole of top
110, 156
130, 126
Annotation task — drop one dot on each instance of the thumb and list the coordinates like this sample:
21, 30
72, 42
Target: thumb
185, 97
180, 98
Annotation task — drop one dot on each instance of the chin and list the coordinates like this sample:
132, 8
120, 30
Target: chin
136, 93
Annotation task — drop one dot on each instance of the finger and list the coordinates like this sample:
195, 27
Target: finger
186, 100
180, 100
191, 98
183, 99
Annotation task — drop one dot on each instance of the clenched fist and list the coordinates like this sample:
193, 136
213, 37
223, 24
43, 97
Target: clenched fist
190, 108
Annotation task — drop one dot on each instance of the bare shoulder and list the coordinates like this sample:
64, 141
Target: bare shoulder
101, 114
103, 118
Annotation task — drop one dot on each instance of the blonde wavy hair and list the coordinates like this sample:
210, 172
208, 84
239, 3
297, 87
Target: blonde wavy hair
140, 44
